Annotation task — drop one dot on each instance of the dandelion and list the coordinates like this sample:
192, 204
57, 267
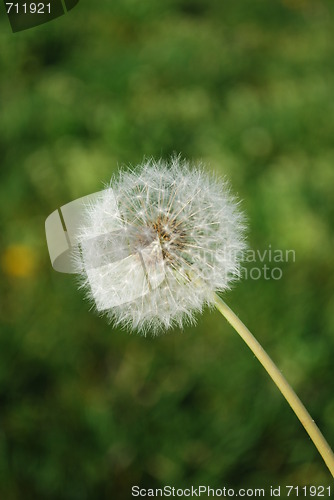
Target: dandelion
155, 247
171, 236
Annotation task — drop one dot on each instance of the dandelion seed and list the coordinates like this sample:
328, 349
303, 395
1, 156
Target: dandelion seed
191, 229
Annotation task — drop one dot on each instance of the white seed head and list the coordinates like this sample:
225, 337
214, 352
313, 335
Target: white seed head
156, 244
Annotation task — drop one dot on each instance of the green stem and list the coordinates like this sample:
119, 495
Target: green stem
285, 388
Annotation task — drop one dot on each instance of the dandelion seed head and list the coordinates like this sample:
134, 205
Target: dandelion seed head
155, 245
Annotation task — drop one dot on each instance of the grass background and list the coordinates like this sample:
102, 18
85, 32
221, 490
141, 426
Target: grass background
87, 410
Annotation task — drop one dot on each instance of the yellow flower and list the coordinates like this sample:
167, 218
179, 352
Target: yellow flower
18, 261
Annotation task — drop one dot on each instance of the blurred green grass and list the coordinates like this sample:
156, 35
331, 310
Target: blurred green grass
88, 410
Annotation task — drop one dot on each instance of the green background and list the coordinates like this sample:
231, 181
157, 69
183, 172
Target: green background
86, 410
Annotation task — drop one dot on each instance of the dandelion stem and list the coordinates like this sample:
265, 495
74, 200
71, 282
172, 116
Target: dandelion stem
285, 388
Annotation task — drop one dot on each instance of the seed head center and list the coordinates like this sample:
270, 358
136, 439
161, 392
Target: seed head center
170, 234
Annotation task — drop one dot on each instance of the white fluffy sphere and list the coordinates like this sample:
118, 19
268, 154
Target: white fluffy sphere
157, 243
